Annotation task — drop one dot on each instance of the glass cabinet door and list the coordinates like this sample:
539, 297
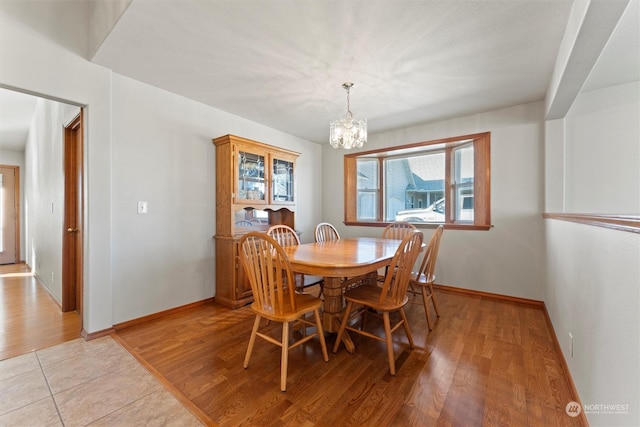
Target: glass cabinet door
282, 181
251, 177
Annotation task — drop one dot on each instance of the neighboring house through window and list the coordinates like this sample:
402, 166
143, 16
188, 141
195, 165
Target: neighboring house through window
443, 182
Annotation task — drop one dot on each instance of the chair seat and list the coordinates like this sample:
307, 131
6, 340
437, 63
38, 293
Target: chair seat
370, 296
304, 304
421, 279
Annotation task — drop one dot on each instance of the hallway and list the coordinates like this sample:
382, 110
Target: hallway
30, 319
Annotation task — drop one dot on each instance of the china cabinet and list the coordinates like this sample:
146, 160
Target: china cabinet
255, 188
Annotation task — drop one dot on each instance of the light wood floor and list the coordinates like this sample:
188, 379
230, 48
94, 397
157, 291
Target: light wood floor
486, 363
30, 319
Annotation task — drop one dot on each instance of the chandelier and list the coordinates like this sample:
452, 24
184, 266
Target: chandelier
345, 132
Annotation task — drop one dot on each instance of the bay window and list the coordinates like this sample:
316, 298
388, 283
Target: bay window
435, 182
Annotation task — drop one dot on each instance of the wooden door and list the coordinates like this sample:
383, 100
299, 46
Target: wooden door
9, 231
73, 209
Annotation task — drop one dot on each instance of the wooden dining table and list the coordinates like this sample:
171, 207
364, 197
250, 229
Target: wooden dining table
336, 260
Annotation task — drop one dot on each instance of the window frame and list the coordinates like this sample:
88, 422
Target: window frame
481, 186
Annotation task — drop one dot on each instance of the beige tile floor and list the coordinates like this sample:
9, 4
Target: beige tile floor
80, 383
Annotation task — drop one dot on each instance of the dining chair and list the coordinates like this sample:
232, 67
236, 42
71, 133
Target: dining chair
397, 230
269, 272
425, 276
243, 223
326, 231
391, 297
286, 236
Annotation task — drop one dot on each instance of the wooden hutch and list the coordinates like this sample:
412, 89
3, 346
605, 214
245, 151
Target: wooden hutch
255, 188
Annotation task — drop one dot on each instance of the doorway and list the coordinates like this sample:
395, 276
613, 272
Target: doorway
48, 147
72, 243
9, 214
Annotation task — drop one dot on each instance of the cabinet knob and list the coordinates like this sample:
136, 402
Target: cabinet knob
72, 230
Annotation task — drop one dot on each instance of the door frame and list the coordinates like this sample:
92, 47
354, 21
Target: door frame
73, 231
16, 193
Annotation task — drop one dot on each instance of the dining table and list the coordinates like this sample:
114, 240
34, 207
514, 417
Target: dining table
337, 260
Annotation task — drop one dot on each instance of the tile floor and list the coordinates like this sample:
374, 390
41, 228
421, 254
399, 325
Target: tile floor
80, 383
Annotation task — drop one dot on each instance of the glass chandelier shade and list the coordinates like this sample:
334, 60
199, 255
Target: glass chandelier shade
346, 132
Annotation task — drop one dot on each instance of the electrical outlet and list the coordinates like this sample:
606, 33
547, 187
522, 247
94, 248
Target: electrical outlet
570, 344
52, 277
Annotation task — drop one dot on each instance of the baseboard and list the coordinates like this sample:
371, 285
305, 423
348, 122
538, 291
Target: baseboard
500, 297
46, 288
565, 367
534, 303
159, 314
88, 336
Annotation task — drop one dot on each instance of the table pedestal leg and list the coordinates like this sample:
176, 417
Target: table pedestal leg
333, 309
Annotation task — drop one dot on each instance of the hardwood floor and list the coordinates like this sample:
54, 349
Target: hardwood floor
30, 319
486, 362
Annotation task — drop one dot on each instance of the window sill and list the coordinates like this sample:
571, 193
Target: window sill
475, 227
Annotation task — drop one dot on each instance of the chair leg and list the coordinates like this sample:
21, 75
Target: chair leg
433, 299
412, 289
387, 335
284, 361
407, 330
323, 344
252, 340
299, 281
425, 302
303, 325
343, 325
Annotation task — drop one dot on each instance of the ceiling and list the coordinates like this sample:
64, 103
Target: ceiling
282, 63
16, 112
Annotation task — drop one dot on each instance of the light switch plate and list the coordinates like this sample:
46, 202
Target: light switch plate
142, 207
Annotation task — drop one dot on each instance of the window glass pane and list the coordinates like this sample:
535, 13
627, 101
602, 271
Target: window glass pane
282, 180
251, 181
367, 188
367, 206
414, 188
397, 178
463, 170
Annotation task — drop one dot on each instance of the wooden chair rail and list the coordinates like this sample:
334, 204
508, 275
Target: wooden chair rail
629, 223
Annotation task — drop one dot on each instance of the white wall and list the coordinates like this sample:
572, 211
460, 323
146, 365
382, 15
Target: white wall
163, 154
44, 192
58, 73
508, 258
592, 284
16, 158
147, 124
602, 153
